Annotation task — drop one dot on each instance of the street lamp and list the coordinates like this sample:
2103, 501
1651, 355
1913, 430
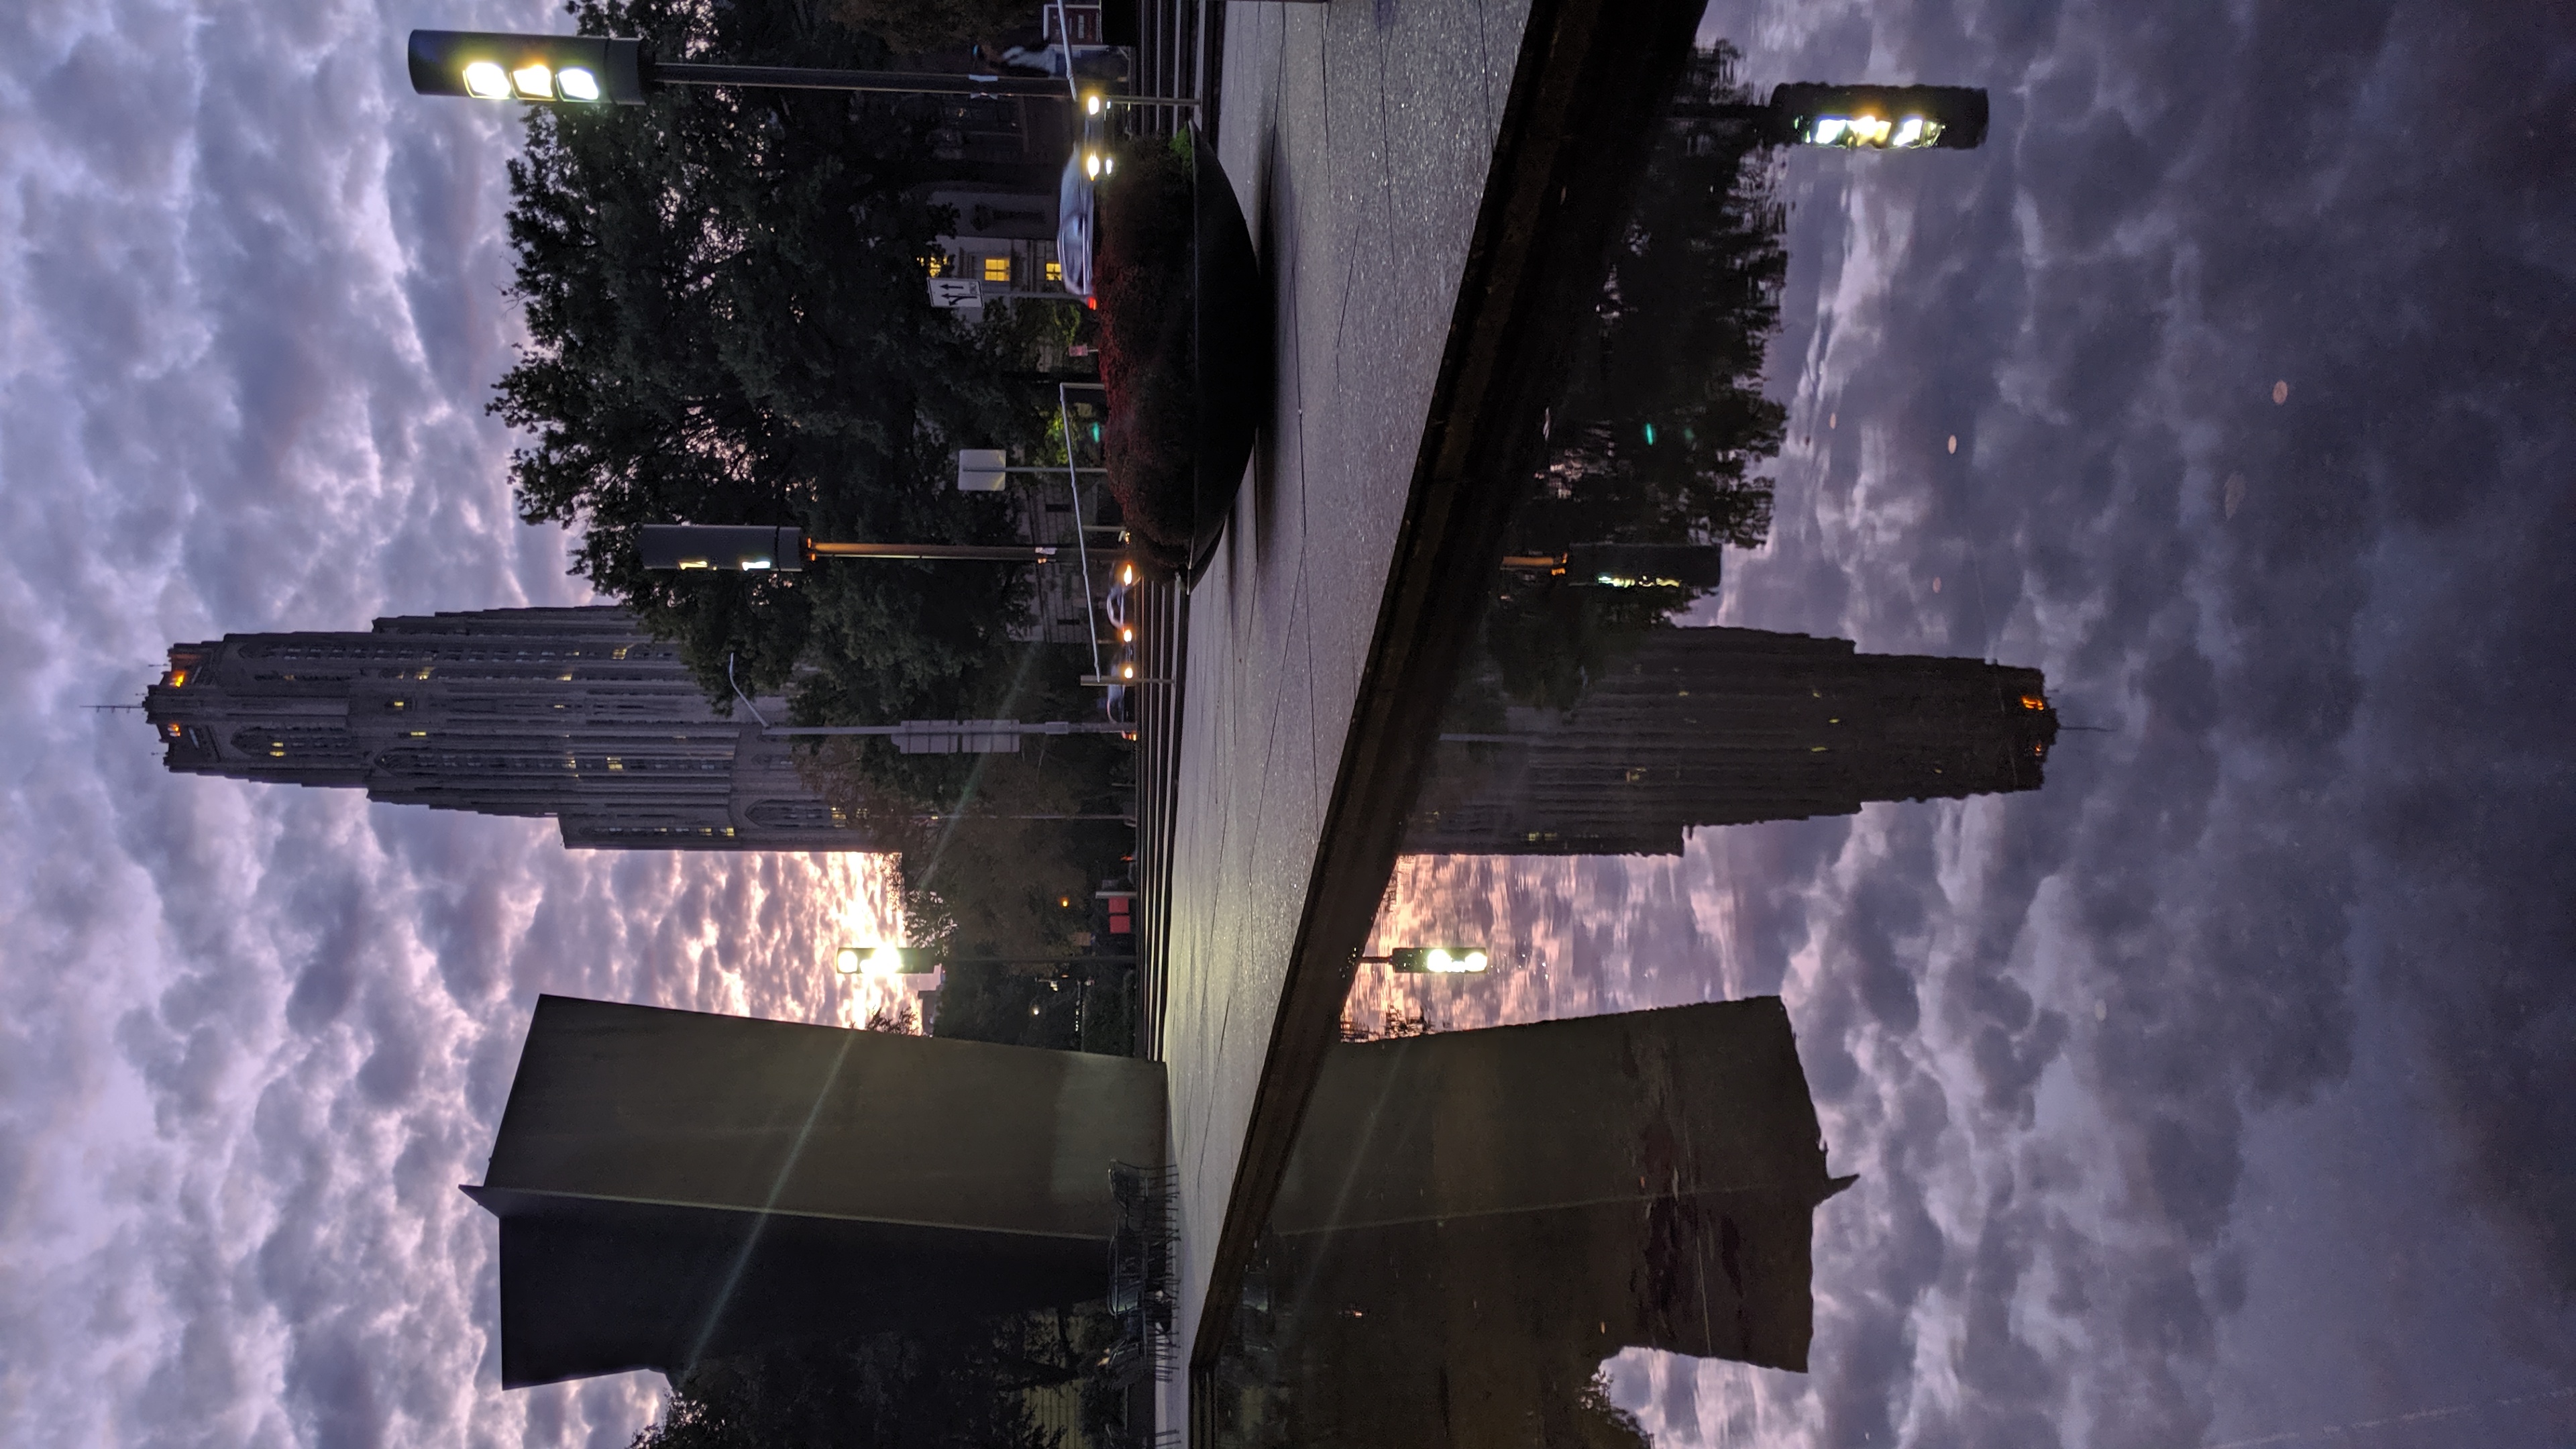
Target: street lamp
1439, 960
1881, 118
760, 549
1860, 118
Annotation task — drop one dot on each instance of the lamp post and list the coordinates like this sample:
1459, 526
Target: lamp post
602, 70
760, 548
1436, 960
986, 470
919, 961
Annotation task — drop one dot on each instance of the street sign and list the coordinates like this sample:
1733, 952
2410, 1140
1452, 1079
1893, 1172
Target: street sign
980, 470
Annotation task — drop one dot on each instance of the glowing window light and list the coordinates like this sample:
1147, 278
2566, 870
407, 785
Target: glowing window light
486, 80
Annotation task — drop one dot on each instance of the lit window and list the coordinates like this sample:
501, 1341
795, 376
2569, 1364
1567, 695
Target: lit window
1055, 271
997, 269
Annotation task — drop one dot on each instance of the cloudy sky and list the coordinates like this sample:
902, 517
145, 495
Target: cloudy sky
2223, 1092
2217, 1094
251, 296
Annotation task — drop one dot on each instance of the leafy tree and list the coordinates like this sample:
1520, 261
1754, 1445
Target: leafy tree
959, 1388
727, 324
922, 27
992, 866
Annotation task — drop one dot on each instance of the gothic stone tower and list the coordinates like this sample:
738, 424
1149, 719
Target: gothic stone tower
576, 714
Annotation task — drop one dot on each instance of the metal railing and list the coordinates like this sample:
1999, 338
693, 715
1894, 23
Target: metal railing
1144, 1252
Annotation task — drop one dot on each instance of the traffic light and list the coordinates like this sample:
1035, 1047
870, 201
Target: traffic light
720, 546
492, 66
1880, 118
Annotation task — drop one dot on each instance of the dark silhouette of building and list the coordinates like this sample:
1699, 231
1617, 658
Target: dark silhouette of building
675, 1186
1700, 727
1472, 1221
576, 714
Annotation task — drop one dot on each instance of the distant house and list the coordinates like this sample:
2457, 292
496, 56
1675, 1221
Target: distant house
1003, 246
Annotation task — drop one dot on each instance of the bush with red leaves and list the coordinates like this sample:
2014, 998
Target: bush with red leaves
1143, 284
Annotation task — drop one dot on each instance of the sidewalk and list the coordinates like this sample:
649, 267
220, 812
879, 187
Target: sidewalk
1359, 137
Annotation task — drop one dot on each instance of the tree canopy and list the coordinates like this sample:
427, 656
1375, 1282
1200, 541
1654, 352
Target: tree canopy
727, 324
961, 1388
1662, 419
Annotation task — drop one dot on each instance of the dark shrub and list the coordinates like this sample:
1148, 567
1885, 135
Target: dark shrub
1143, 285
1186, 351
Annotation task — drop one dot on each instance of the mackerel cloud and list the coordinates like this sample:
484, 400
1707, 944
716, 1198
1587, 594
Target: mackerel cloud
2215, 1093
253, 301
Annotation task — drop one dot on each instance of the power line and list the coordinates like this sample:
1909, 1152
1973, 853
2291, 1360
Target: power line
2420, 1416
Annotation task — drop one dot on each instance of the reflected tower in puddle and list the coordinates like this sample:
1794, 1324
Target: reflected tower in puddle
1716, 726
1472, 1221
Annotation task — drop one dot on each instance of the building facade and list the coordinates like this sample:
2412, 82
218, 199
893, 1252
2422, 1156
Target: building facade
573, 714
1003, 248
